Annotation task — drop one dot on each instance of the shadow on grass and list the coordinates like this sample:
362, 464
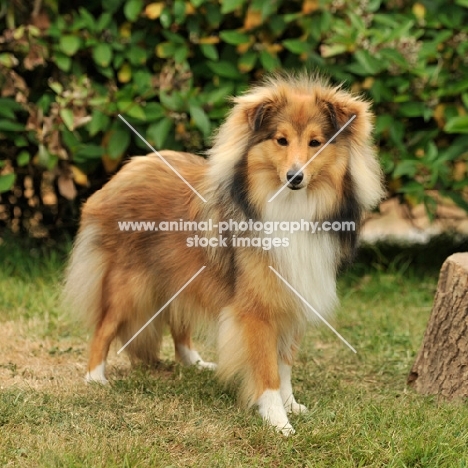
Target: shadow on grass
419, 259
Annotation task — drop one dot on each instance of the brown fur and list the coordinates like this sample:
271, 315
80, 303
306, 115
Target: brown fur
130, 275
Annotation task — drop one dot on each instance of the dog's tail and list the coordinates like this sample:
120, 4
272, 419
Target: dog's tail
88, 297
82, 292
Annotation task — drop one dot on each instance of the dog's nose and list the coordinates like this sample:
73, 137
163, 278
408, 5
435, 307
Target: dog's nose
294, 177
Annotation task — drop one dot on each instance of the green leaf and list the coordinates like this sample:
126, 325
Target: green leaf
383, 122
23, 158
63, 62
412, 187
213, 15
457, 125
332, 50
165, 49
10, 126
369, 63
69, 45
394, 56
102, 54
85, 153
247, 61
103, 21
157, 133
458, 87
20, 141
290, 17
99, 122
6, 182
165, 18
209, 51
465, 100
219, 95
132, 9
111, 5
56, 87
181, 53
277, 25
230, 5
405, 168
137, 55
234, 37
297, 46
70, 139
357, 22
173, 101
143, 83
225, 69
47, 160
412, 109
8, 60
174, 37
200, 119
153, 111
119, 141
431, 153
179, 11
6, 112
136, 111
67, 117
9, 106
269, 61
85, 21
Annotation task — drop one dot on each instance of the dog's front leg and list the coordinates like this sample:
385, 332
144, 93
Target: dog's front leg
249, 346
262, 345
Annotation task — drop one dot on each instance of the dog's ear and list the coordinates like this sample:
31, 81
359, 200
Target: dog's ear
257, 115
364, 167
343, 108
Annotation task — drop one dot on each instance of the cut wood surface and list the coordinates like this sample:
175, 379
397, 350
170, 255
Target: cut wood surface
441, 366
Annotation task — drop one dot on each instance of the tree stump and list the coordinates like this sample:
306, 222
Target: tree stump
441, 366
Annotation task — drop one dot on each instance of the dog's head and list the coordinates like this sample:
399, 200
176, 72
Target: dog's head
300, 133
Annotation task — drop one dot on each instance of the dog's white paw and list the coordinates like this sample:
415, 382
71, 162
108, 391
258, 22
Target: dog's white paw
190, 357
97, 375
92, 380
270, 407
287, 430
292, 406
207, 365
296, 408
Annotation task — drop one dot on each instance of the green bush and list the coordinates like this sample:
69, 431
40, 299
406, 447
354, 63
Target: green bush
168, 67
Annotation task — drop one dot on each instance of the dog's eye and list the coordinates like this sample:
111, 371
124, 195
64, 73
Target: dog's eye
314, 143
282, 141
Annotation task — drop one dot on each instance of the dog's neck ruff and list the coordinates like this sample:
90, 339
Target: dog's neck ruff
309, 262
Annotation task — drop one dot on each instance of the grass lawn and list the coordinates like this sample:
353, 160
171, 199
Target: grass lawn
361, 412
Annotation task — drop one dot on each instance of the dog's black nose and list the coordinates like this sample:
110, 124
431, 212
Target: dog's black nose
294, 177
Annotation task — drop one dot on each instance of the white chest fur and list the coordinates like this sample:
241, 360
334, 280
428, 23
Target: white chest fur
308, 263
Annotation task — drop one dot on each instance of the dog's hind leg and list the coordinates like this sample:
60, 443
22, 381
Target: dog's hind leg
184, 351
113, 302
104, 334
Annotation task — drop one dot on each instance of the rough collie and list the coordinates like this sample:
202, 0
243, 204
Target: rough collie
118, 279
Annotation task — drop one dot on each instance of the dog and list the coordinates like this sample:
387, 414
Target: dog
278, 157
